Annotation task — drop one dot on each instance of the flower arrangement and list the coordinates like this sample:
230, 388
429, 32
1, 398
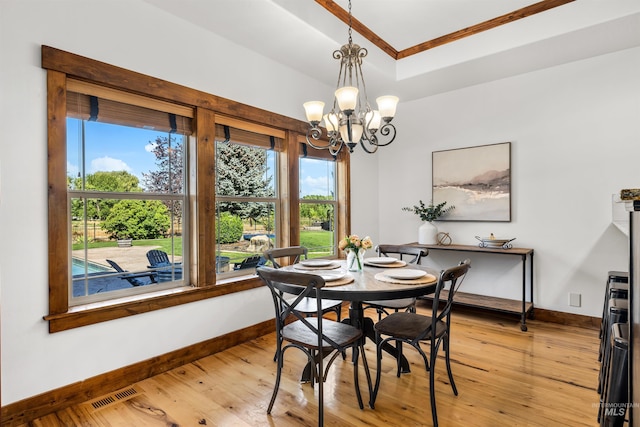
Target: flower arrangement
355, 247
431, 212
355, 243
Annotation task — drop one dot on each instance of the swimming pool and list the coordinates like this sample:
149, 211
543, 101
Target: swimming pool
77, 267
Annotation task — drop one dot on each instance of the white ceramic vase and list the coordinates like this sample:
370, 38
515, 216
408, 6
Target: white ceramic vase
428, 234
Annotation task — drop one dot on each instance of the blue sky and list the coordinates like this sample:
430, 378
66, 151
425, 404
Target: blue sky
116, 148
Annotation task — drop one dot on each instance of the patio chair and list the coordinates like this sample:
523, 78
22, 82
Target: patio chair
167, 271
250, 262
133, 278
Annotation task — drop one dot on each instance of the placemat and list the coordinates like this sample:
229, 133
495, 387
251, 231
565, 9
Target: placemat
395, 264
345, 280
421, 281
332, 266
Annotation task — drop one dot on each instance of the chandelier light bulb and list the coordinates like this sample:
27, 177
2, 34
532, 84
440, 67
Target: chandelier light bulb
314, 109
356, 129
387, 106
347, 97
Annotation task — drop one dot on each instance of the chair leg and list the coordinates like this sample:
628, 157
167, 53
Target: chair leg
448, 363
374, 394
278, 375
432, 387
356, 351
320, 372
399, 358
365, 364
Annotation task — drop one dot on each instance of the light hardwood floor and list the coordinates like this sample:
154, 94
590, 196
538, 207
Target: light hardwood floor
544, 377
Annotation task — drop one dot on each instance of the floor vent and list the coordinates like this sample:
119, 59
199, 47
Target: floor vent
113, 398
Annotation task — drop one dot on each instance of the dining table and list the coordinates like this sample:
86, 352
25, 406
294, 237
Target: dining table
378, 280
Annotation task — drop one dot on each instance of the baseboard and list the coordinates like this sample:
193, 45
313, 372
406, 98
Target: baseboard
542, 315
26, 410
568, 319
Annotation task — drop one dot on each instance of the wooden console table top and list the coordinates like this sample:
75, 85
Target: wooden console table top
476, 248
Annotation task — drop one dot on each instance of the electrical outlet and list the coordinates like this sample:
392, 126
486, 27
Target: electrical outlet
575, 300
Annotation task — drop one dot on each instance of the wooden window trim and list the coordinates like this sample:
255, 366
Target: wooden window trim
208, 110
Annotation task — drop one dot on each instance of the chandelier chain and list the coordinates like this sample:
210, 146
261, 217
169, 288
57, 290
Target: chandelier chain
350, 22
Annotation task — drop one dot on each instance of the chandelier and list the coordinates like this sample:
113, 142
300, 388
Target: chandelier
351, 120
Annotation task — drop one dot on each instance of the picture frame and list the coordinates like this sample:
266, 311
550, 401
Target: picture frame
476, 180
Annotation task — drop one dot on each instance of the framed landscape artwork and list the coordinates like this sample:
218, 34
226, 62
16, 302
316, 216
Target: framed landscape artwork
476, 180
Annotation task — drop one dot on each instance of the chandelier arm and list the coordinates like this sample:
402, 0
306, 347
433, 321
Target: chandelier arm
387, 129
315, 133
372, 140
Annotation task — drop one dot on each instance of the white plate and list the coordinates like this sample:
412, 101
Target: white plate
405, 273
330, 276
381, 260
316, 262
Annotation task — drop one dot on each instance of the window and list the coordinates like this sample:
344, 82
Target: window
246, 199
318, 203
127, 196
141, 161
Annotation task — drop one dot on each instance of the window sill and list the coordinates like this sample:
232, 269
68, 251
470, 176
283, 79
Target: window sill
89, 314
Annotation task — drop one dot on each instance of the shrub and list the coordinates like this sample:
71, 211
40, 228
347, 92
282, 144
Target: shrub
228, 228
136, 219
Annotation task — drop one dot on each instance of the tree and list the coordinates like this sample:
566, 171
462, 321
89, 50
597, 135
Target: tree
169, 176
316, 211
242, 171
107, 181
137, 219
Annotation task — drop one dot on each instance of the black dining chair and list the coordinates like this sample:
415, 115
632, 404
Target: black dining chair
317, 337
407, 304
295, 254
412, 328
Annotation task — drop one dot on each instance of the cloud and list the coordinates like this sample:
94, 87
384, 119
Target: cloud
150, 147
72, 170
107, 163
315, 185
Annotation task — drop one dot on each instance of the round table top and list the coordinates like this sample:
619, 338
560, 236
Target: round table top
366, 287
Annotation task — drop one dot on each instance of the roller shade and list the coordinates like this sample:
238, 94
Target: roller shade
245, 137
88, 107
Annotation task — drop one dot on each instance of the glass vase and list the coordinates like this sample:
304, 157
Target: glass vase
355, 259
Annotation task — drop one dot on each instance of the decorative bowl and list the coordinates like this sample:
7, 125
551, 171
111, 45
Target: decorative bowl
495, 243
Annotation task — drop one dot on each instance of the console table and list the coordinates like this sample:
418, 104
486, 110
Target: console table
495, 303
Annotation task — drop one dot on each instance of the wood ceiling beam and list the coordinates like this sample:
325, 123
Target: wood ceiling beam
362, 29
524, 12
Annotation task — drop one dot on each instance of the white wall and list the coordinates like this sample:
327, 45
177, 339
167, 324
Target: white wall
573, 145
575, 139
133, 35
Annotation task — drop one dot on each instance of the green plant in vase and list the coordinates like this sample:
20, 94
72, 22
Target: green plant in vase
427, 233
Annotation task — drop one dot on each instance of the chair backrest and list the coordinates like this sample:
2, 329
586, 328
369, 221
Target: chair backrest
283, 284
133, 280
449, 279
158, 258
295, 252
401, 250
115, 266
248, 262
